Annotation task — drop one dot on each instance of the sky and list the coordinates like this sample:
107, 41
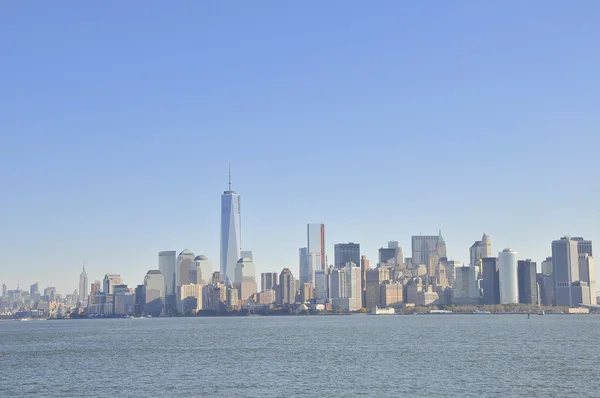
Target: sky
380, 119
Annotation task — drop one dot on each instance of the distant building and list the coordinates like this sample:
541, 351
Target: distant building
547, 266
546, 288
204, 270
83, 287
306, 292
287, 287
95, 288
346, 253
184, 267
480, 249
154, 285
315, 239
528, 290
167, 264
583, 246
387, 256
109, 281
231, 234
306, 273
232, 298
321, 291
587, 274
374, 278
245, 280
424, 245
354, 288
508, 276
391, 294
269, 281
337, 283
189, 298
465, 289
491, 281
365, 265
565, 267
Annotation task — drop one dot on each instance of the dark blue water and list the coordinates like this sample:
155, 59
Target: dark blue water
326, 356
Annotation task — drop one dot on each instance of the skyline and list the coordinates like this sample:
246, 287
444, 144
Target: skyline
393, 121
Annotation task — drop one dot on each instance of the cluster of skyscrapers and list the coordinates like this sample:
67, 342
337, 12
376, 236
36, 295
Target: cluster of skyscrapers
186, 283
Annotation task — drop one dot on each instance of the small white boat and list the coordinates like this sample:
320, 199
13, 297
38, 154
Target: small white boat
541, 312
479, 312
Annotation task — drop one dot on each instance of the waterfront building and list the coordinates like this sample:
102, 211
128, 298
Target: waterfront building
565, 267
491, 281
321, 291
110, 280
287, 287
391, 294
266, 297
167, 264
508, 276
306, 292
231, 234
269, 281
354, 289
83, 287
204, 270
480, 249
587, 274
547, 295
233, 302
315, 239
374, 278
346, 253
189, 298
337, 283
465, 289
528, 290
154, 291
123, 301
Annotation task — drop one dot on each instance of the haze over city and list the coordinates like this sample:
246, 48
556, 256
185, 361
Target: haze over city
116, 132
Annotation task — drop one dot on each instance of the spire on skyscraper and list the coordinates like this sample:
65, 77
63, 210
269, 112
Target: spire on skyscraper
440, 237
230, 176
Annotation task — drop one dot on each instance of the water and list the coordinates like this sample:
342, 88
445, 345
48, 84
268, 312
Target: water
326, 356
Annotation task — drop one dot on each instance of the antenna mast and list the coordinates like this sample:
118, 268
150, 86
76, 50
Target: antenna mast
230, 176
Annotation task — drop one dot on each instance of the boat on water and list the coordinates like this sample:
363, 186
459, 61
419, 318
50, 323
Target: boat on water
148, 316
441, 312
382, 311
541, 312
479, 312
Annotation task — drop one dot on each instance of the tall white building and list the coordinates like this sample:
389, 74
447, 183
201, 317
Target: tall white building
244, 268
167, 264
315, 239
508, 276
231, 234
189, 298
587, 274
184, 268
154, 285
83, 287
204, 270
354, 289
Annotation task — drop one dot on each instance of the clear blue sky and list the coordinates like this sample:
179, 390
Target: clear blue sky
381, 119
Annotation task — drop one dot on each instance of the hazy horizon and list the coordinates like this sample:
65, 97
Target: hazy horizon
381, 121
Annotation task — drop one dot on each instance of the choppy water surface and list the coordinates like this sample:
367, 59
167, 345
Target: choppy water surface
326, 356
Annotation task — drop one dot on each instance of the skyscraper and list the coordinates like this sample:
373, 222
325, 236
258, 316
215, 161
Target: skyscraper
583, 246
231, 234
587, 274
306, 273
354, 289
204, 270
269, 281
83, 287
154, 293
287, 287
424, 245
565, 268
167, 264
480, 249
110, 280
374, 278
34, 290
508, 276
315, 239
184, 266
528, 292
491, 281
346, 253
547, 266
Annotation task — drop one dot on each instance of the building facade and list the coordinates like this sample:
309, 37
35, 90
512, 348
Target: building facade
231, 234
346, 253
315, 239
527, 276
